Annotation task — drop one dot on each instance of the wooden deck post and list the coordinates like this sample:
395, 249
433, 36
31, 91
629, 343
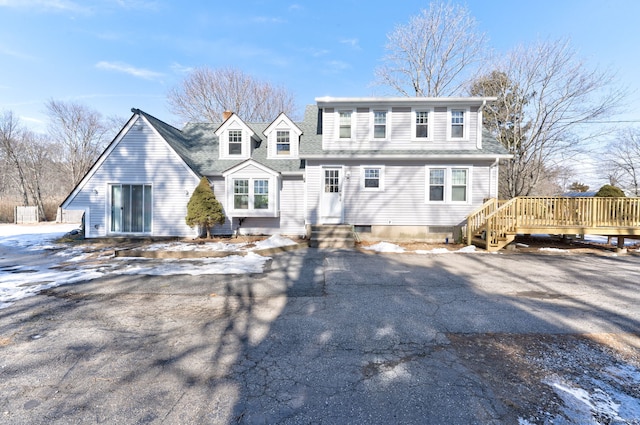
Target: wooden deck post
621, 249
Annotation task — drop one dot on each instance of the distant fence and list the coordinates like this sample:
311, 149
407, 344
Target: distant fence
69, 216
25, 215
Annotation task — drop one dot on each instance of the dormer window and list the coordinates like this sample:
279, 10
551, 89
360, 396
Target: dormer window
379, 124
457, 124
283, 138
345, 124
283, 142
422, 124
235, 139
235, 142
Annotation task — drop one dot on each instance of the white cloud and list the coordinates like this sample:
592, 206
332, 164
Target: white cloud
129, 69
268, 20
353, 42
181, 69
18, 55
46, 5
295, 6
336, 66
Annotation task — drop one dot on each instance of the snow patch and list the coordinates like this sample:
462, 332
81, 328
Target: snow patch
56, 264
385, 247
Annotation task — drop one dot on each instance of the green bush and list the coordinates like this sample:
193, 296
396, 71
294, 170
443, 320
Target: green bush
203, 209
608, 191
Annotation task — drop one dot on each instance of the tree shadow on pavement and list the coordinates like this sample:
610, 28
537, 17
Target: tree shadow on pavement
320, 337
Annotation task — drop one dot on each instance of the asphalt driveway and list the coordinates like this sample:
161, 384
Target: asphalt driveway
320, 337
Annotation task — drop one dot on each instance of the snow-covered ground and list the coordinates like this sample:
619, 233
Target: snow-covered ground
32, 261
45, 264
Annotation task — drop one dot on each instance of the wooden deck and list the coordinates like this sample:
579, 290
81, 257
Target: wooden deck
496, 223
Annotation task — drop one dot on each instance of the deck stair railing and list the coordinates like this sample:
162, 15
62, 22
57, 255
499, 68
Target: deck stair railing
498, 223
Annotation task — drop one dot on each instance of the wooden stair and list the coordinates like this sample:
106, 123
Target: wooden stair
495, 224
336, 236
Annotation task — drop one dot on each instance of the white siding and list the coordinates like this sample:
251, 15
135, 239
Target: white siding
402, 202
401, 124
289, 222
140, 157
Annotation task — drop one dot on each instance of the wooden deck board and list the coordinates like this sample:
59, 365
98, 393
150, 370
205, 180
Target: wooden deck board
500, 221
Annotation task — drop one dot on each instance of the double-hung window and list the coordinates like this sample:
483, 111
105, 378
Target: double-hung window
436, 184
457, 124
459, 185
241, 194
260, 194
345, 124
422, 124
379, 124
283, 142
235, 142
448, 184
373, 178
250, 194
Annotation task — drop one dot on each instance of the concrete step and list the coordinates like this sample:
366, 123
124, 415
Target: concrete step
333, 243
332, 236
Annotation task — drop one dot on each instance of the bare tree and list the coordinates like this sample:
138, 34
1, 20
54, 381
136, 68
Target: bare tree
435, 54
624, 156
36, 160
81, 132
545, 95
206, 93
11, 136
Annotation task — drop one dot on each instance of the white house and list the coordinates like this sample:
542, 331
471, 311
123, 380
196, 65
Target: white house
391, 167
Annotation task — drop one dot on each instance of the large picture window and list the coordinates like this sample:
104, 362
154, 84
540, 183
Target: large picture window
131, 207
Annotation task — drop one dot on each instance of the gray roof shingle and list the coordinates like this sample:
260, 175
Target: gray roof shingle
197, 144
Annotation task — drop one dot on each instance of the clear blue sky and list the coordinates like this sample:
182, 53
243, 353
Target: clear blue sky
116, 54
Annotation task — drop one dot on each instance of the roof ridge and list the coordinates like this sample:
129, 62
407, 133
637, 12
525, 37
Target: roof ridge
147, 115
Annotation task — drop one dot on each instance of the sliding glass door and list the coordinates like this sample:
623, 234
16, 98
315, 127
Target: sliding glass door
131, 206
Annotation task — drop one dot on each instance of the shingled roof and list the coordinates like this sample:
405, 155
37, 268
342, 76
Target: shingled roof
198, 145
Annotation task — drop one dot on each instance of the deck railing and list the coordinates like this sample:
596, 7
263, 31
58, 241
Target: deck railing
478, 218
607, 216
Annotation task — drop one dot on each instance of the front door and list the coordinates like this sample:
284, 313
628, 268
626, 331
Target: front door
331, 203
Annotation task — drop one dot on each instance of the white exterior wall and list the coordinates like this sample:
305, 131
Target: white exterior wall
289, 222
140, 157
400, 120
403, 200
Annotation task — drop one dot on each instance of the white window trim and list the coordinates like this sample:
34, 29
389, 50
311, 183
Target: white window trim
251, 211
372, 124
109, 206
337, 125
430, 127
243, 136
381, 179
283, 123
465, 128
448, 180
283, 155
234, 123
